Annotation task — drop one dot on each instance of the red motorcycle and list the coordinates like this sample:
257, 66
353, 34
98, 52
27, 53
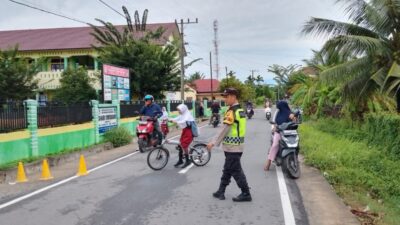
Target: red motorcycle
146, 133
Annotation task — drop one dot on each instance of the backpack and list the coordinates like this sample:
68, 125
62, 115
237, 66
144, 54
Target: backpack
194, 128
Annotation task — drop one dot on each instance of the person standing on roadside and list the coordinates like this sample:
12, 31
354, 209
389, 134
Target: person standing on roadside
201, 111
232, 135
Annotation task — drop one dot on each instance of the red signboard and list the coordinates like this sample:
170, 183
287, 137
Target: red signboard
115, 71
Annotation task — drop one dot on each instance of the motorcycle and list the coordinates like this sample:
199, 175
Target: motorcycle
289, 148
268, 113
146, 133
249, 112
215, 119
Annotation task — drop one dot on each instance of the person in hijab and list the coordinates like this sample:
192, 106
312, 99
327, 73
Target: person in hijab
164, 121
184, 121
164, 113
283, 114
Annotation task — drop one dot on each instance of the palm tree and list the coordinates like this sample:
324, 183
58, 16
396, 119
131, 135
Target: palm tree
371, 40
259, 79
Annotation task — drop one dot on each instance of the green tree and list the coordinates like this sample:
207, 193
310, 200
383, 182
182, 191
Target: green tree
16, 76
282, 77
246, 92
75, 87
371, 39
264, 91
196, 76
153, 68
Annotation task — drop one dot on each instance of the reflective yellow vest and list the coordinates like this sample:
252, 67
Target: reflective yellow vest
236, 117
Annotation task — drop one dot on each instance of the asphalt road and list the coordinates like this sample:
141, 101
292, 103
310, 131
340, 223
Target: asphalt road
129, 192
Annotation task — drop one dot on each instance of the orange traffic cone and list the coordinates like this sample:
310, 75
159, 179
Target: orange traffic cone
46, 175
21, 177
82, 171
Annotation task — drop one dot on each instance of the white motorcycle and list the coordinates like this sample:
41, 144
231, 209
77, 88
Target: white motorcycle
268, 113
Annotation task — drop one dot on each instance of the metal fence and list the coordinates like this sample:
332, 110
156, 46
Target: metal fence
12, 116
131, 109
56, 114
189, 104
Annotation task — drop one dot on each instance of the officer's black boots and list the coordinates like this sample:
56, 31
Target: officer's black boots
187, 161
180, 161
220, 194
243, 197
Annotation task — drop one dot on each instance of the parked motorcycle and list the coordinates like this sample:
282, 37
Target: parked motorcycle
289, 148
268, 113
146, 133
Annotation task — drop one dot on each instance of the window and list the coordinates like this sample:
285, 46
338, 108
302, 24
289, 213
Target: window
57, 64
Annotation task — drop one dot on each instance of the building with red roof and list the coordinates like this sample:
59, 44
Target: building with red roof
68, 48
207, 89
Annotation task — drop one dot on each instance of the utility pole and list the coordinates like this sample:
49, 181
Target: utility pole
211, 74
252, 73
216, 48
182, 54
226, 71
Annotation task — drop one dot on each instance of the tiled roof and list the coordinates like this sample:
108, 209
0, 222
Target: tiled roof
204, 85
67, 38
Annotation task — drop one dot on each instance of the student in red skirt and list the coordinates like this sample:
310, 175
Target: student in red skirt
184, 121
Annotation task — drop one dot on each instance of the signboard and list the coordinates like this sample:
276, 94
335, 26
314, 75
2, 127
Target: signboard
107, 118
116, 85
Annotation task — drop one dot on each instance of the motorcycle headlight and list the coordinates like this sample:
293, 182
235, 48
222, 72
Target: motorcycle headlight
144, 130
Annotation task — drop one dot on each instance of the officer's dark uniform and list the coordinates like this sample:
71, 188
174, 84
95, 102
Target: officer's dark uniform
232, 136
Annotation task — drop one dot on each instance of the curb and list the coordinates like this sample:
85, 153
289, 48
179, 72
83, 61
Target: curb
7, 176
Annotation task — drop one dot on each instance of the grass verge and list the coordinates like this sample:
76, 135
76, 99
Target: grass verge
364, 176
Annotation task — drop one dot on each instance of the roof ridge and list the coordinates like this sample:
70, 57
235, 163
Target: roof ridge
80, 27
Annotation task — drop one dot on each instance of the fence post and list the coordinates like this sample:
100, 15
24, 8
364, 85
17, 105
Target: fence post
205, 107
32, 117
194, 108
116, 103
95, 116
169, 106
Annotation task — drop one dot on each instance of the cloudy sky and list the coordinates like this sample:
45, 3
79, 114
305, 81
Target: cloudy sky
253, 34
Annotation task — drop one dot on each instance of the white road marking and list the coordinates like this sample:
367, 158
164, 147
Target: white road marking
286, 206
183, 171
14, 201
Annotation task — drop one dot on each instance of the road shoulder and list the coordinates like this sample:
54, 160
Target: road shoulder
322, 204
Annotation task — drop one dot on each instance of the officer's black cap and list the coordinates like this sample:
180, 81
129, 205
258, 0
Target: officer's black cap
231, 91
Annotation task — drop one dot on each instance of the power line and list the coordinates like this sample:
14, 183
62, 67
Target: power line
104, 3
49, 12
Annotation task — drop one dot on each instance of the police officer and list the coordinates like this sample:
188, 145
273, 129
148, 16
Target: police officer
232, 136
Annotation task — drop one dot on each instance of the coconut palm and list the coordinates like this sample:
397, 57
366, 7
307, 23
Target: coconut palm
371, 39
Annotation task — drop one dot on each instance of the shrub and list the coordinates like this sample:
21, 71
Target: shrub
260, 100
379, 130
119, 136
383, 130
354, 166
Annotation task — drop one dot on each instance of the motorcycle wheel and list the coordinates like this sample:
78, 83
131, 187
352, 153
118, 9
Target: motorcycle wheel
142, 144
291, 166
215, 124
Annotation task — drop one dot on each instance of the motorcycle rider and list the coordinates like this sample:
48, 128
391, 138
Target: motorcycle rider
249, 105
152, 110
232, 135
283, 114
215, 108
